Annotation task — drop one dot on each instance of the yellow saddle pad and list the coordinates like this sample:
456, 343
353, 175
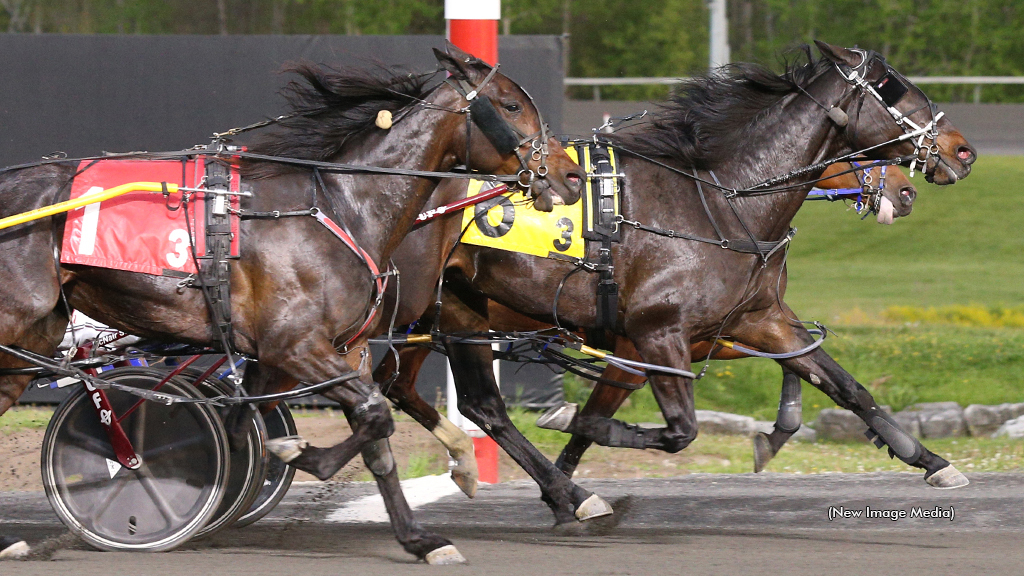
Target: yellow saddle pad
509, 222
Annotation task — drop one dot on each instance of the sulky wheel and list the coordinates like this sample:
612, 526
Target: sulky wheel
171, 496
279, 475
248, 463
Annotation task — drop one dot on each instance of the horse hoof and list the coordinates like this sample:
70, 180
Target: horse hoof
287, 448
466, 480
444, 556
558, 418
947, 478
762, 451
593, 507
13, 548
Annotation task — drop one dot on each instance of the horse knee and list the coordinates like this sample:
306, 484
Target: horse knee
373, 416
675, 441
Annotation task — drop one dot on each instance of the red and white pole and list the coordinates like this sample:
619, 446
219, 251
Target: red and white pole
473, 27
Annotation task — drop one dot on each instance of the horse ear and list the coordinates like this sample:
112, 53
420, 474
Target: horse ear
461, 64
838, 54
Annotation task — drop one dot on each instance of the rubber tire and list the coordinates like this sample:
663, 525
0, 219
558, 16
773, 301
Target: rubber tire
188, 470
248, 465
279, 423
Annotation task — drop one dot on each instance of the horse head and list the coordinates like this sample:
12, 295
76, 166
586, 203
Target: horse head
887, 190
894, 118
507, 134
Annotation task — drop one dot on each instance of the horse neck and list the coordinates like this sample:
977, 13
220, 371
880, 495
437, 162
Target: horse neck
797, 135
380, 209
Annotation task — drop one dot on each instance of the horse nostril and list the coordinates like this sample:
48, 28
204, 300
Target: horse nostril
966, 154
907, 196
575, 180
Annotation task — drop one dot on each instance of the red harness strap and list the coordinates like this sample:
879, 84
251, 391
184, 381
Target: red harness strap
379, 279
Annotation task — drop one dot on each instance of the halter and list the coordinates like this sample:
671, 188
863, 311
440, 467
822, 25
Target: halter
889, 90
505, 137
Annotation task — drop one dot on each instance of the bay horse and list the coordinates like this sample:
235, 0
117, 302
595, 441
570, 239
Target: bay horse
605, 399
298, 293
741, 128
894, 188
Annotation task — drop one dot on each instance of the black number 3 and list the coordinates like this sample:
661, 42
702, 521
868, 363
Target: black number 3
566, 241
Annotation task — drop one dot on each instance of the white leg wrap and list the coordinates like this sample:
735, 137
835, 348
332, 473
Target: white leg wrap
443, 556
948, 478
559, 417
287, 448
15, 551
593, 507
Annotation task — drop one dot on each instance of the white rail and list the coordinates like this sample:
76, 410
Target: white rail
976, 81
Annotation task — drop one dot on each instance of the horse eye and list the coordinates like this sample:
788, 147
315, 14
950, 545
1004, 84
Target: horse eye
512, 107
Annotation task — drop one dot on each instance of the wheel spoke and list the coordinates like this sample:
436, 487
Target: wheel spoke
154, 454
91, 444
138, 442
147, 481
104, 504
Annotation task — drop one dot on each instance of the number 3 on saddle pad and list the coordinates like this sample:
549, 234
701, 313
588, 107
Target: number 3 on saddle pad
508, 222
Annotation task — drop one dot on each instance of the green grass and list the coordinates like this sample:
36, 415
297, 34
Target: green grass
928, 309
24, 417
962, 245
733, 454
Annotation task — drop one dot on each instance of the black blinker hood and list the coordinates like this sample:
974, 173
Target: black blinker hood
493, 126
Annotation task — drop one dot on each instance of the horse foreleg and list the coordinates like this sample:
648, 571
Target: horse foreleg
776, 334
674, 395
604, 401
480, 401
402, 391
426, 546
787, 422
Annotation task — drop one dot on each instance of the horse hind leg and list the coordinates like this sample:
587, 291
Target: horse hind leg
787, 422
370, 418
42, 337
818, 368
402, 391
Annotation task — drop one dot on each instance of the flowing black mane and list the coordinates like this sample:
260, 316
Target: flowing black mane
702, 123
331, 106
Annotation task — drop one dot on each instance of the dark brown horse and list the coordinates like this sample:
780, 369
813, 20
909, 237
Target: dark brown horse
741, 129
298, 292
895, 187
605, 400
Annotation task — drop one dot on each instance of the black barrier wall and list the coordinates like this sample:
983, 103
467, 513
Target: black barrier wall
86, 94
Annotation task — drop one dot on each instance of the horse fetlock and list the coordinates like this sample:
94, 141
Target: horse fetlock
454, 438
673, 441
883, 431
790, 414
378, 457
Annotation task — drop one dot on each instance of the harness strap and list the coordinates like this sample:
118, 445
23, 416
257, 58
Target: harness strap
380, 280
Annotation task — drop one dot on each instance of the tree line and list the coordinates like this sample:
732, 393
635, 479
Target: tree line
607, 37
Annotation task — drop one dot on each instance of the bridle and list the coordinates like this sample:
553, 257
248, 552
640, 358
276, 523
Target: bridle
888, 91
505, 137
